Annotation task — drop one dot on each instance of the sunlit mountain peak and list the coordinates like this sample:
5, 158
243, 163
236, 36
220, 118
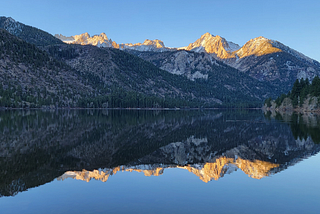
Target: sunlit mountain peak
214, 45
206, 172
258, 46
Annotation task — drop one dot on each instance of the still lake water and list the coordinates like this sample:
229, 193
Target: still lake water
84, 161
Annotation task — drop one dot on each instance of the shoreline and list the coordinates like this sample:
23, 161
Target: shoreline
288, 111
162, 109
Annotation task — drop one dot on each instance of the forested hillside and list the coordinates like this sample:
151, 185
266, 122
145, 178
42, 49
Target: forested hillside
38, 70
115, 70
303, 93
31, 78
87, 76
28, 33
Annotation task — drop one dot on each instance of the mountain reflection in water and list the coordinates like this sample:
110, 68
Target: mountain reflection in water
37, 147
206, 172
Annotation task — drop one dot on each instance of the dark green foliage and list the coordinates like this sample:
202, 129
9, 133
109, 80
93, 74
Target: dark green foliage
296, 89
31, 78
203, 90
120, 98
280, 99
106, 77
229, 85
301, 130
315, 87
15, 97
23, 52
268, 102
300, 91
67, 53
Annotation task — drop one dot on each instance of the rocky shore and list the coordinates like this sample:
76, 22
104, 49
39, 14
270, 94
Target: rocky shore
310, 105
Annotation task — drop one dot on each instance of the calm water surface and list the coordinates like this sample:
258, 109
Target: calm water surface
159, 162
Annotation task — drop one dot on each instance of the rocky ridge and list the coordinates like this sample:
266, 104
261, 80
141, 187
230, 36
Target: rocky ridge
216, 45
28, 33
103, 41
261, 58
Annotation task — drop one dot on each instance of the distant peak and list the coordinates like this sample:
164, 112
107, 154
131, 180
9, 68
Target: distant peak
157, 43
207, 35
104, 36
258, 46
11, 19
211, 36
260, 38
213, 44
86, 34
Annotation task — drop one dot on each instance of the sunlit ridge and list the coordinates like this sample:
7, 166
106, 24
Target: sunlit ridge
206, 172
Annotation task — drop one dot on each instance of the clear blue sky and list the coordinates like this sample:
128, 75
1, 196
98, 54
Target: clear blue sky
295, 23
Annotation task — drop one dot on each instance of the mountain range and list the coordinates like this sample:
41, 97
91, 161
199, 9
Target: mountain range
84, 71
261, 58
95, 144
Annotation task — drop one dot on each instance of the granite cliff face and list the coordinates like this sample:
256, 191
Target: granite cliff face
205, 67
216, 45
85, 39
261, 58
148, 45
202, 74
75, 75
103, 41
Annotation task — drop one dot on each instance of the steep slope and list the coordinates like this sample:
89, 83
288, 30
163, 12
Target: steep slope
29, 76
114, 67
216, 45
27, 33
268, 68
225, 82
261, 55
95, 77
263, 59
88, 76
258, 47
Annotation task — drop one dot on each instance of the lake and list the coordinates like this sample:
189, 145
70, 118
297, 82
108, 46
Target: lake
137, 161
